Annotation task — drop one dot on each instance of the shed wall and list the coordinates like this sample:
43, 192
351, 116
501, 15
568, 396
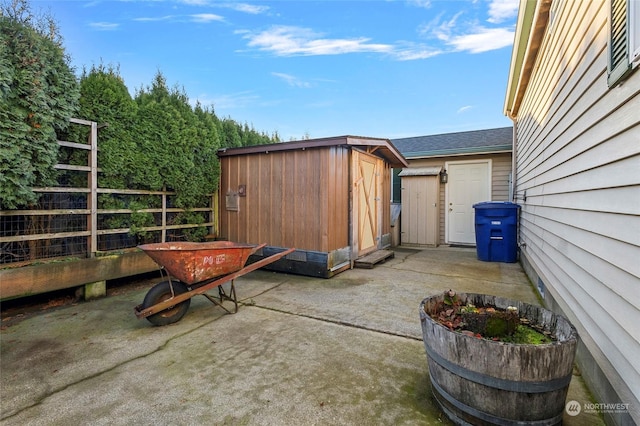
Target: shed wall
295, 198
578, 164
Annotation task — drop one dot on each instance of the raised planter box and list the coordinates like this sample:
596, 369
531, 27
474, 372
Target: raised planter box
42, 278
479, 381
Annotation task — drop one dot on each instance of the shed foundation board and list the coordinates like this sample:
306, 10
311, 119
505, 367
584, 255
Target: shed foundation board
306, 262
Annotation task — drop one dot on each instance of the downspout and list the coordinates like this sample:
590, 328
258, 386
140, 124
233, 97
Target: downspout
514, 156
514, 175
537, 28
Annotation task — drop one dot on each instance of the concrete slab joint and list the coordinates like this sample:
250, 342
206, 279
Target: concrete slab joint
300, 351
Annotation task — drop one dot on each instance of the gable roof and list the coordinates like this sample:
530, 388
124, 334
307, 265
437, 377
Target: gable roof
460, 143
380, 147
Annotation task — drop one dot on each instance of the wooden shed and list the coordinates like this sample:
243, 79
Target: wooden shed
329, 198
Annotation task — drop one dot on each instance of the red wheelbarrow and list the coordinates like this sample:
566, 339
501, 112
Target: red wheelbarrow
195, 268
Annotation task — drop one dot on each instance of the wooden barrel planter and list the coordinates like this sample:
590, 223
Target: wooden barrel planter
478, 381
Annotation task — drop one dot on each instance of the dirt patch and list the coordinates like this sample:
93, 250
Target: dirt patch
16, 310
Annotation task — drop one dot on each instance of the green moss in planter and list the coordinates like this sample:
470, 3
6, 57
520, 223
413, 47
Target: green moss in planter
491, 323
526, 335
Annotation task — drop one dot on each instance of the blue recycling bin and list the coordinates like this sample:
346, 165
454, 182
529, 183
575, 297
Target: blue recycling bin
496, 224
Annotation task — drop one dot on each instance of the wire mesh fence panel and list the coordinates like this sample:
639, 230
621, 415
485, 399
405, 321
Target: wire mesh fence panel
76, 218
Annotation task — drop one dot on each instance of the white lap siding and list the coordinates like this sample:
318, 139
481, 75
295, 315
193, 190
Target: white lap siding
578, 166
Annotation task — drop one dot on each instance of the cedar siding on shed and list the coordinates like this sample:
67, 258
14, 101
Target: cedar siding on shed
309, 195
283, 187
577, 178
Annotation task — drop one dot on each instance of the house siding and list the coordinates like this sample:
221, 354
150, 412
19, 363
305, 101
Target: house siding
578, 181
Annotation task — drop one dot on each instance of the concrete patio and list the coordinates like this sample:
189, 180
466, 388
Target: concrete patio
300, 351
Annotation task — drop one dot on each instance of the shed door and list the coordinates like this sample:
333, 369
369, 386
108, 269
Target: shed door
469, 183
420, 210
367, 214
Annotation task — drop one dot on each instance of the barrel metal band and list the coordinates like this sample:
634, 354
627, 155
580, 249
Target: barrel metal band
495, 382
486, 416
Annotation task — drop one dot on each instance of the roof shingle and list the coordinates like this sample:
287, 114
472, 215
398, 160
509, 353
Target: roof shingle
476, 141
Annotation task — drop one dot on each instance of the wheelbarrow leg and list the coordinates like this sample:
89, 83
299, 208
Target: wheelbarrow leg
224, 296
231, 296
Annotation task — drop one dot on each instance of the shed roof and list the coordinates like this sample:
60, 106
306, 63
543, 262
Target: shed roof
460, 143
421, 171
381, 147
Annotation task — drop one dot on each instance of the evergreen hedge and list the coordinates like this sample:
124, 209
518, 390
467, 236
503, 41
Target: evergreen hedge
154, 140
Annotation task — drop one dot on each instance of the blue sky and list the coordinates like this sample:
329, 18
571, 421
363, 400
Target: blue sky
385, 68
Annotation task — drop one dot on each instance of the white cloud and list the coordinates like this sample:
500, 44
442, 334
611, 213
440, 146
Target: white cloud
246, 8
415, 52
155, 19
467, 35
501, 10
202, 18
438, 29
449, 35
291, 80
206, 17
104, 26
420, 3
464, 109
483, 40
229, 101
252, 9
196, 2
293, 41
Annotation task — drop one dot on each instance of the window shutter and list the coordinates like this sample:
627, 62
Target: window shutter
634, 36
618, 42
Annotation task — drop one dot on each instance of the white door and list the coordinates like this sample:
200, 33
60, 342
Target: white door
469, 183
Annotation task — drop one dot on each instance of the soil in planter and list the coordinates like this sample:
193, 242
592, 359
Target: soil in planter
488, 322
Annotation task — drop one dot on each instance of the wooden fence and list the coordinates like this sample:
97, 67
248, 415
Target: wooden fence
68, 223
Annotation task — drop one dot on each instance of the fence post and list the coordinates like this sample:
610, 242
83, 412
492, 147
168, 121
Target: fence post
215, 214
164, 215
93, 195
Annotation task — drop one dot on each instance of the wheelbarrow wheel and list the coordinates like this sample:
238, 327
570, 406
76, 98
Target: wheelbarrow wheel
161, 292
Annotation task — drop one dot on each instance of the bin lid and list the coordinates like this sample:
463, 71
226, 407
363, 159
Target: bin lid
496, 205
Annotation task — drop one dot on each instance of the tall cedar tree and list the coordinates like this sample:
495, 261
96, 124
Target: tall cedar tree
38, 94
175, 150
104, 98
